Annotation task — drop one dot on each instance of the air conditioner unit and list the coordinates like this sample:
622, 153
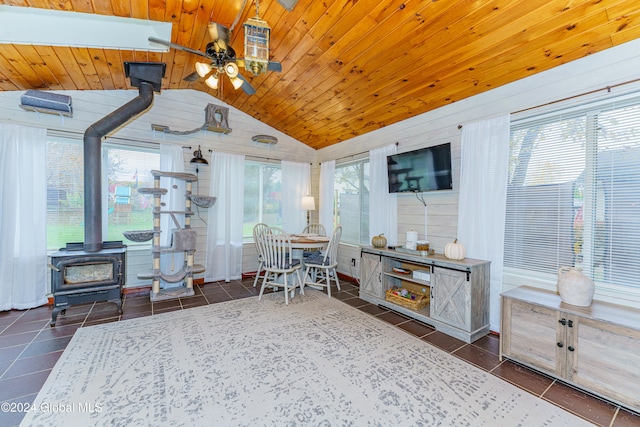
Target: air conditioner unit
46, 102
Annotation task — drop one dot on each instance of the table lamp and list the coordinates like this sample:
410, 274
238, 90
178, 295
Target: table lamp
308, 204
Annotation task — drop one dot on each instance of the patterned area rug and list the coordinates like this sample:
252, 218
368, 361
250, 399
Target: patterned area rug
314, 362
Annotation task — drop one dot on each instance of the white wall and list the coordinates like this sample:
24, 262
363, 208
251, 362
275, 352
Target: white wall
180, 110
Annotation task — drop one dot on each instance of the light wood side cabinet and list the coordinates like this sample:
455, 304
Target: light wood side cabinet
595, 348
458, 290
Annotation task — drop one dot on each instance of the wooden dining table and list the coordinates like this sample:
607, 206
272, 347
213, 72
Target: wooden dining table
310, 241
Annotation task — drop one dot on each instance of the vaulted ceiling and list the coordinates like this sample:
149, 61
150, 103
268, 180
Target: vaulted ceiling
349, 66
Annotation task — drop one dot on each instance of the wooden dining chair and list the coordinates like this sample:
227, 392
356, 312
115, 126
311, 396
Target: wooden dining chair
279, 264
320, 268
315, 229
257, 230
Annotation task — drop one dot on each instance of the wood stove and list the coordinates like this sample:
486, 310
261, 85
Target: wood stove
79, 277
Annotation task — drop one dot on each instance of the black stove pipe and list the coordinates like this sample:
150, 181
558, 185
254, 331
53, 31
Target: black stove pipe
93, 162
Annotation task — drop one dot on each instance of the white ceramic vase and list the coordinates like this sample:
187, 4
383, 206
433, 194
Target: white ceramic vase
574, 287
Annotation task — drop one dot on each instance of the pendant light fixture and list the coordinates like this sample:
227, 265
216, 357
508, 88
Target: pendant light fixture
256, 43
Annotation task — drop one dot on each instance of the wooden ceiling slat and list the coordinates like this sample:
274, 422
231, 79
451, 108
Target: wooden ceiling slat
6, 83
122, 8
84, 6
115, 63
140, 9
101, 65
32, 56
70, 64
48, 55
19, 69
85, 61
102, 7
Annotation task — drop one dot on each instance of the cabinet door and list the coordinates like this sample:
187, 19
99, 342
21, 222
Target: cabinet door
605, 358
530, 335
370, 275
451, 297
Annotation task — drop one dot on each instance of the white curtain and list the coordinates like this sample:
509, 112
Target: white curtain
384, 217
23, 236
483, 198
296, 183
224, 229
327, 181
171, 160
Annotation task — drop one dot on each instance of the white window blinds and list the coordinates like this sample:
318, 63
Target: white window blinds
573, 197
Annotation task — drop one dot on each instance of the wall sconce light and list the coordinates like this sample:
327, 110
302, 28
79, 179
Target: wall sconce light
198, 160
308, 204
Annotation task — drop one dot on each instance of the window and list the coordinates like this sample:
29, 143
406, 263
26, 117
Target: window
573, 195
262, 201
352, 201
125, 169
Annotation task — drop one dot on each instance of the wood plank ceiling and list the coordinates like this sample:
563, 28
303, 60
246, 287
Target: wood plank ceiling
349, 66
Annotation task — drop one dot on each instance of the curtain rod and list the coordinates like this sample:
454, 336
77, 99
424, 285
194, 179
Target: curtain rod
591, 92
358, 154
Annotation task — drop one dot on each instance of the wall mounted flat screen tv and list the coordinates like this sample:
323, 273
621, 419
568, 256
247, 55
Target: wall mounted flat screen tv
426, 169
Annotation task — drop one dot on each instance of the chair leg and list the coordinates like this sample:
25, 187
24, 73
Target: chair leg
264, 283
301, 282
328, 281
335, 276
255, 281
286, 290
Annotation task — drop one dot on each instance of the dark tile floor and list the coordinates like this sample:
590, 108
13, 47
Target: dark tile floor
29, 348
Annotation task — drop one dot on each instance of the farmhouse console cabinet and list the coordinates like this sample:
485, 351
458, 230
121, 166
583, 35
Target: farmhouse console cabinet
595, 348
458, 290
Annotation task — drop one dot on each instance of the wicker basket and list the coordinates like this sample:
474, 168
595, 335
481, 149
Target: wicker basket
420, 301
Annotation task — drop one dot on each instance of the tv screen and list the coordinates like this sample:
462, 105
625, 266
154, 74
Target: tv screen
426, 169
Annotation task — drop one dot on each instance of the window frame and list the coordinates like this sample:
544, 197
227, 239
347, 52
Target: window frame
363, 200
605, 290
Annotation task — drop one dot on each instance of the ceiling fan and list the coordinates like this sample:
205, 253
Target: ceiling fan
222, 60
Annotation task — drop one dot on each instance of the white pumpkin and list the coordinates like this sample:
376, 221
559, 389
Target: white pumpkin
454, 250
379, 241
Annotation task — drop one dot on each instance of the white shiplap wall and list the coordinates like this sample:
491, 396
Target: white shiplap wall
181, 110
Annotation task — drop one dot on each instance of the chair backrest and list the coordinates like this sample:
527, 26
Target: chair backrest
332, 249
275, 248
315, 229
257, 230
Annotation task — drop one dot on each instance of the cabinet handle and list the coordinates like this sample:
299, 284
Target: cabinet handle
570, 323
570, 348
562, 321
560, 345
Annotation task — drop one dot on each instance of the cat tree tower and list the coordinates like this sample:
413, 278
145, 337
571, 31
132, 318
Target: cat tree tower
183, 239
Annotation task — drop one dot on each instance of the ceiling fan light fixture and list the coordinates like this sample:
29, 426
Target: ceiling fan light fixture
231, 68
212, 81
202, 69
236, 82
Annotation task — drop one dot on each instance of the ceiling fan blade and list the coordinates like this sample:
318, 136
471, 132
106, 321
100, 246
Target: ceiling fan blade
219, 32
274, 66
192, 77
246, 86
177, 46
